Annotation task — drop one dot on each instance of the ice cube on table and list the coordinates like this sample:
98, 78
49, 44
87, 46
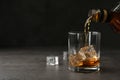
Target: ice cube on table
52, 60
65, 55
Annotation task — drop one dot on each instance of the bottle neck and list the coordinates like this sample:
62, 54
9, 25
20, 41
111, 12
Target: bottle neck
100, 16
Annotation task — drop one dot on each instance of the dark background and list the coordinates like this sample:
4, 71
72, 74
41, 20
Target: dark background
33, 23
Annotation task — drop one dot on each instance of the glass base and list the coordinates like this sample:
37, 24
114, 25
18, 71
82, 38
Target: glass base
84, 69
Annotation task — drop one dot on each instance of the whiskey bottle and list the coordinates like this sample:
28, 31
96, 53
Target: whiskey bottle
105, 16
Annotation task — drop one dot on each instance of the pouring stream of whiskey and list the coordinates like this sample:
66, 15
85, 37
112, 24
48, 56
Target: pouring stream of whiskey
86, 30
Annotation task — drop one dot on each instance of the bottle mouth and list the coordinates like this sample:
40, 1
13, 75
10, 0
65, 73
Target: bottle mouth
98, 15
93, 12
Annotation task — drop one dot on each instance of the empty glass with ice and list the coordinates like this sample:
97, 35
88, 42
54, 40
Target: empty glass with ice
84, 51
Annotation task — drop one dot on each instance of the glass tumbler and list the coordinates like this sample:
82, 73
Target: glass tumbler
84, 51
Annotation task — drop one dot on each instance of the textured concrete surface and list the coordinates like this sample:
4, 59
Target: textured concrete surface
30, 64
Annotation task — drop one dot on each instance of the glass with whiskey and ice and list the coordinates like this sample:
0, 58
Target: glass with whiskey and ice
84, 51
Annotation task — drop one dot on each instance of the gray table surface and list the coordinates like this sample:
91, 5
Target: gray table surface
30, 64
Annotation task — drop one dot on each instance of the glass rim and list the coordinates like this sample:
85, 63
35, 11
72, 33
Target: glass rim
82, 32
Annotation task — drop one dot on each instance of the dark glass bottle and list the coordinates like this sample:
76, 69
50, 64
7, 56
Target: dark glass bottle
104, 16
